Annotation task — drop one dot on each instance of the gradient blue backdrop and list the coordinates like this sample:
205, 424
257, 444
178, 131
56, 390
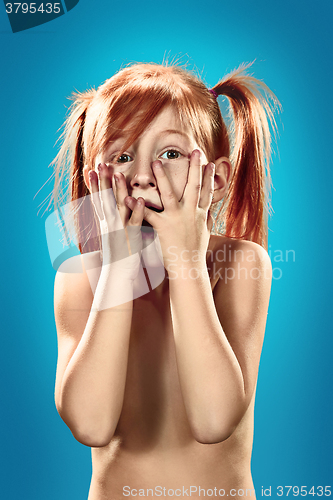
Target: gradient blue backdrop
291, 41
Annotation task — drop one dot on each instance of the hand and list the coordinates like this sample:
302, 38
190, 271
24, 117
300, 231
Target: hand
184, 225
120, 231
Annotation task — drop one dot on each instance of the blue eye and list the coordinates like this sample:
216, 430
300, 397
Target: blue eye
171, 154
124, 158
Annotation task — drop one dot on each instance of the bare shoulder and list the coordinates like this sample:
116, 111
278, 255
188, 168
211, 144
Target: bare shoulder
242, 288
72, 288
73, 298
232, 259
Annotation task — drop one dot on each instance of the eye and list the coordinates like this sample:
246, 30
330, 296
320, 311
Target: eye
171, 154
124, 158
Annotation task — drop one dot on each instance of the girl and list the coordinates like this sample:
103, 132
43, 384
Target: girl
157, 373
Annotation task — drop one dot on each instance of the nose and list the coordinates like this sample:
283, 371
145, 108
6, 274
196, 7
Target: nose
142, 176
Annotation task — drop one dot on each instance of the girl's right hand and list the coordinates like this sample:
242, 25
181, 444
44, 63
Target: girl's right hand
120, 228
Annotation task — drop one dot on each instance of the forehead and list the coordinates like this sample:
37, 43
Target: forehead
166, 122
168, 118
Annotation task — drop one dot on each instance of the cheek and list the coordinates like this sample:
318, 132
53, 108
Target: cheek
177, 176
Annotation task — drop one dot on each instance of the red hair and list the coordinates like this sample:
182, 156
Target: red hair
134, 96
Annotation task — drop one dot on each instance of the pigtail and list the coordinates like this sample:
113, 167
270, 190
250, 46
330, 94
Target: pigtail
246, 207
69, 164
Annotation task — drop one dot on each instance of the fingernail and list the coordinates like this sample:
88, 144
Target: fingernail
212, 165
139, 201
99, 168
116, 178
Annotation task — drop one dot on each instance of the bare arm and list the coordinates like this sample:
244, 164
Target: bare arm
92, 361
93, 335
218, 342
218, 337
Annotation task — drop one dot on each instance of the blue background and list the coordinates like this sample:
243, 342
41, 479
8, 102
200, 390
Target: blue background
291, 41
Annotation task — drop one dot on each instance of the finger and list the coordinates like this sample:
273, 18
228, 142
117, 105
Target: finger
210, 221
133, 229
151, 217
193, 186
207, 190
137, 212
168, 196
103, 176
106, 193
93, 178
120, 189
148, 215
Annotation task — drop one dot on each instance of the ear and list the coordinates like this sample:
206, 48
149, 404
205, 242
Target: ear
86, 176
222, 177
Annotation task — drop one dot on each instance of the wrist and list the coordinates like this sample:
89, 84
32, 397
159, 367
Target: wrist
188, 271
125, 269
115, 286
179, 257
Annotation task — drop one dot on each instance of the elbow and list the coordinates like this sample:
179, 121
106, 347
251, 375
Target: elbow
215, 428
93, 434
208, 435
91, 439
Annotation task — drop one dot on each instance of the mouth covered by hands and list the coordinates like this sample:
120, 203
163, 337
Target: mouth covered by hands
120, 227
184, 225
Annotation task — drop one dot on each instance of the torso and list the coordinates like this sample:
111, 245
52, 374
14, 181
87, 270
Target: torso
153, 447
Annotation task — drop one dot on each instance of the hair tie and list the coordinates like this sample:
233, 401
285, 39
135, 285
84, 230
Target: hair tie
215, 94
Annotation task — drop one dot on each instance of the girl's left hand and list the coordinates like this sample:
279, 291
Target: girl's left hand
184, 225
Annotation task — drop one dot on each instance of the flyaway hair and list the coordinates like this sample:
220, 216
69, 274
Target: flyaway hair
133, 97
69, 171
247, 205
68, 162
